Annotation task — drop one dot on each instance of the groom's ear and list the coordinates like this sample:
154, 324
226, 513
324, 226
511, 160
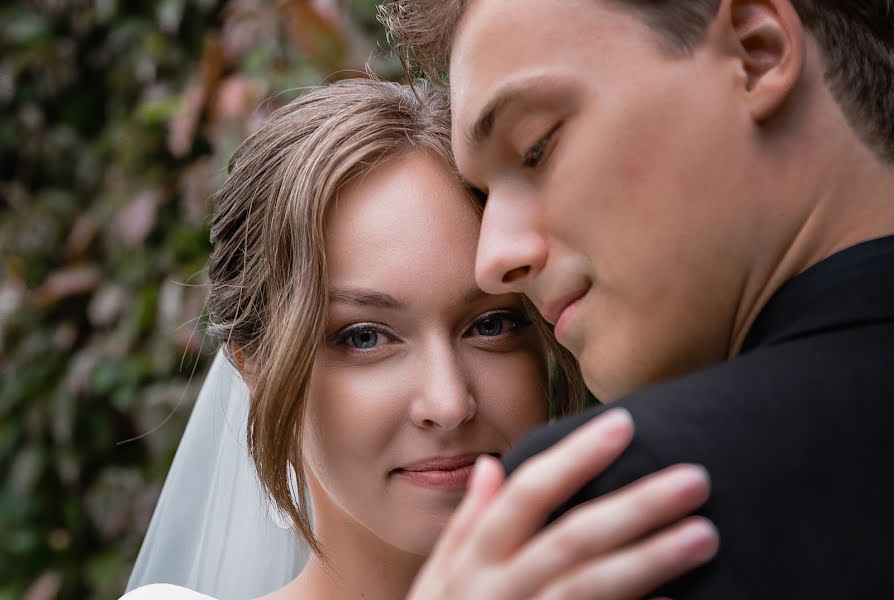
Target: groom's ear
767, 39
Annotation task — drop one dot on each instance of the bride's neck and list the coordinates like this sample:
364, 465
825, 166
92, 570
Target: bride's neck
359, 564
359, 571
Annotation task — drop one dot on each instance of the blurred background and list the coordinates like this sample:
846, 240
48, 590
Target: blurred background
117, 119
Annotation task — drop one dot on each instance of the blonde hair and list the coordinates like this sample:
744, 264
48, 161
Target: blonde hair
268, 295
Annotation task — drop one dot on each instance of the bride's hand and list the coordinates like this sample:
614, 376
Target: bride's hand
493, 546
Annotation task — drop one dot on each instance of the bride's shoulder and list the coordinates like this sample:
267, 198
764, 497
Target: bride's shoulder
163, 591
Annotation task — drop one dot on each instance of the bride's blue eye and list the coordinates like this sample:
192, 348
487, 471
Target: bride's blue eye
362, 337
498, 324
365, 339
490, 326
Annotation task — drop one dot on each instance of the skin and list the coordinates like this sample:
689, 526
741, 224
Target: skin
454, 371
671, 197
626, 175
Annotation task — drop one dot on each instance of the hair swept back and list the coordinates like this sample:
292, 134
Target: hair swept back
856, 39
268, 295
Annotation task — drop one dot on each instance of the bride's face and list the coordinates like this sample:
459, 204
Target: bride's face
420, 372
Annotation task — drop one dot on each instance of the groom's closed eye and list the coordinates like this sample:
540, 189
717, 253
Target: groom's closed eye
534, 155
480, 196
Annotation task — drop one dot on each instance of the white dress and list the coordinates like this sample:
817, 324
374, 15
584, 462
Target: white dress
164, 591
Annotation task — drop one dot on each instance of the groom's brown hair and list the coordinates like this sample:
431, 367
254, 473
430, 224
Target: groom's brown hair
856, 38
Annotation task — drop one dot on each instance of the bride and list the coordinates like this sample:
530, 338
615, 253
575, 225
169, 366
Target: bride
343, 293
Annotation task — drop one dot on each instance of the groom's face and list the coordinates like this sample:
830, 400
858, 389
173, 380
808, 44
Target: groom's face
619, 190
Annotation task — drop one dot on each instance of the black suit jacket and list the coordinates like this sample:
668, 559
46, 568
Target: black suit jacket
797, 433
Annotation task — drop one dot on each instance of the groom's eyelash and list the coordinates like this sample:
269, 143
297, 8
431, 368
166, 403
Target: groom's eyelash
531, 159
479, 195
535, 154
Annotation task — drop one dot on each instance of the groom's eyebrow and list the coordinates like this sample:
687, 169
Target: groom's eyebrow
513, 92
366, 297
484, 124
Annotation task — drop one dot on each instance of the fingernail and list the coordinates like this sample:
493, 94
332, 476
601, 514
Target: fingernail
615, 421
476, 472
689, 476
699, 540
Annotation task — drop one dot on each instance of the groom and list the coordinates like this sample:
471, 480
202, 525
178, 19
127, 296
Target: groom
699, 195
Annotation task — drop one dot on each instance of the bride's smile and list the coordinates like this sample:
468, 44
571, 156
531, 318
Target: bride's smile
420, 372
447, 473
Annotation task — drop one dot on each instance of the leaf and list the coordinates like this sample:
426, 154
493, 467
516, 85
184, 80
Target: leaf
22, 26
182, 127
109, 502
236, 98
67, 282
83, 231
134, 222
46, 587
106, 305
157, 111
196, 184
312, 27
25, 471
12, 296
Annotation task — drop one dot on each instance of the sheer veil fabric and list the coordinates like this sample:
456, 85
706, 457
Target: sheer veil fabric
213, 530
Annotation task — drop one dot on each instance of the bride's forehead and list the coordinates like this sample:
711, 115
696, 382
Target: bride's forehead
401, 212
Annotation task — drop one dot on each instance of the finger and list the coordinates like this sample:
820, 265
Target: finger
486, 480
610, 522
640, 568
546, 480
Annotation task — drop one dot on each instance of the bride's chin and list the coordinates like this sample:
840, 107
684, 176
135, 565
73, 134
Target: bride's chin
420, 538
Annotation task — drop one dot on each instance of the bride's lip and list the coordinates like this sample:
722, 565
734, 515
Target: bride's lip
442, 463
445, 473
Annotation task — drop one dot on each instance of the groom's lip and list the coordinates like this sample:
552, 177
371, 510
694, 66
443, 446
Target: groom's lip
552, 311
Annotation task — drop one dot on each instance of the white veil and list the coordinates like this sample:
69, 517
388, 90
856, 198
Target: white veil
213, 530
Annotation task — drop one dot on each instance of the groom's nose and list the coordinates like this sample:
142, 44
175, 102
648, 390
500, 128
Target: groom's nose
511, 248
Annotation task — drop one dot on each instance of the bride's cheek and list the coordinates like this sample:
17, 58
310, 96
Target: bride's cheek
352, 414
512, 388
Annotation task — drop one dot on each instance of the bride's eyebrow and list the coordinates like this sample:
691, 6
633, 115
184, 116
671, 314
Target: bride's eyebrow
366, 297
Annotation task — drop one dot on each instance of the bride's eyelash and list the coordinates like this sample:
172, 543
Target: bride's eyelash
516, 318
341, 337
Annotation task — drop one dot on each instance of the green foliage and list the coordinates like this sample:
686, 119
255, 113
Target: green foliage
118, 119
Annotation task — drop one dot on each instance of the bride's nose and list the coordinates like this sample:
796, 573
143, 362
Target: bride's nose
445, 400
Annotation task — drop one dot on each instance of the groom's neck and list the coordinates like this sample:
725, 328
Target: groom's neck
842, 193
